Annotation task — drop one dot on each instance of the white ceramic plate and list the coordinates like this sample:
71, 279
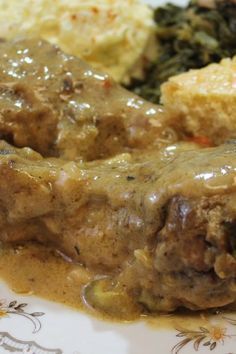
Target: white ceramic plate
35, 326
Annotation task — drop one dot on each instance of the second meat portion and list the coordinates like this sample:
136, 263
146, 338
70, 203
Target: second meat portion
59, 106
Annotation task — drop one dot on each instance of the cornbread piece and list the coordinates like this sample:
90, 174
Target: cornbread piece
203, 102
162, 224
59, 106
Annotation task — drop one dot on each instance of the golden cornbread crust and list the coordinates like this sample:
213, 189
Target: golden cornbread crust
203, 102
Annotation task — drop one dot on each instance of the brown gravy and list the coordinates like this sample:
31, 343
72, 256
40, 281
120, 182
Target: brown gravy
36, 270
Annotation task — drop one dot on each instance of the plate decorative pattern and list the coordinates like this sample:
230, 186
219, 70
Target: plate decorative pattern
12, 344
202, 336
219, 331
208, 338
14, 308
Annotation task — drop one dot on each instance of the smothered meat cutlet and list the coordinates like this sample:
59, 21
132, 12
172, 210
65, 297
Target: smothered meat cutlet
161, 224
59, 106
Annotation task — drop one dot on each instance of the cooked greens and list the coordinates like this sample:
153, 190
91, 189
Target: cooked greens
189, 37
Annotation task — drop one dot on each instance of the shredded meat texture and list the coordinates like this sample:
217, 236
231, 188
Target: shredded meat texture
59, 106
162, 223
95, 173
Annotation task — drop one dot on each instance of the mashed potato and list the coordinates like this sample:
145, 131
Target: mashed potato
109, 34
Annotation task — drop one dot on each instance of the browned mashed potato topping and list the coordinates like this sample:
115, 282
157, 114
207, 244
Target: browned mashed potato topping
111, 35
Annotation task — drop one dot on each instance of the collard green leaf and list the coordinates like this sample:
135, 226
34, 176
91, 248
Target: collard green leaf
188, 38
